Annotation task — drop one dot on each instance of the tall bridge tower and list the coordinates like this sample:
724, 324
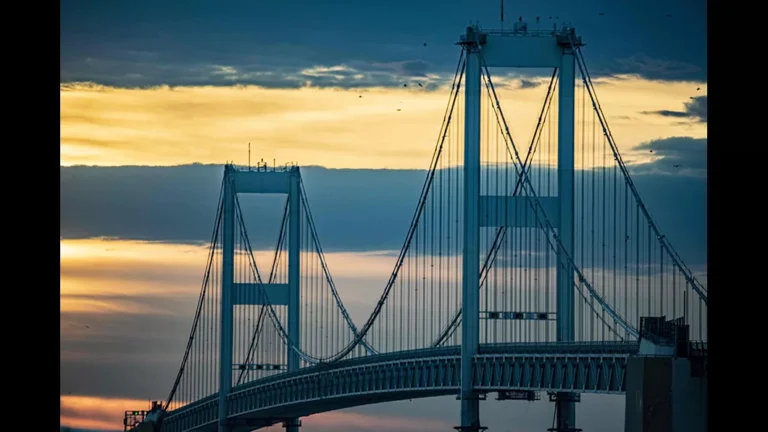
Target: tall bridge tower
517, 48
259, 181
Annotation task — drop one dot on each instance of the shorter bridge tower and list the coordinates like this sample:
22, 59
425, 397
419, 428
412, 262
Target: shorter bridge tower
262, 180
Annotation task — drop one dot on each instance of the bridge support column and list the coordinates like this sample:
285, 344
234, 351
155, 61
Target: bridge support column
565, 402
227, 283
294, 278
292, 424
665, 394
470, 324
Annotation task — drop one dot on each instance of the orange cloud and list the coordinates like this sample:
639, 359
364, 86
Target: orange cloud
101, 276
105, 277
341, 420
384, 128
92, 412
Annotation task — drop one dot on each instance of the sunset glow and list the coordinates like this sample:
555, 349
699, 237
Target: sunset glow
160, 101
165, 126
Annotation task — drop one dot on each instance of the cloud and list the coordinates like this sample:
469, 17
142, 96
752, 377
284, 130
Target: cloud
98, 414
182, 85
69, 429
407, 68
223, 70
90, 413
667, 113
356, 75
678, 155
695, 109
652, 68
102, 125
82, 413
178, 204
350, 74
352, 421
525, 84
130, 45
120, 360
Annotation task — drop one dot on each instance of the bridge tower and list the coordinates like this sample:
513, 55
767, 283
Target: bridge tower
259, 181
518, 48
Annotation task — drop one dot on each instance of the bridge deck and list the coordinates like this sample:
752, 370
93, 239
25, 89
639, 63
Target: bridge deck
583, 367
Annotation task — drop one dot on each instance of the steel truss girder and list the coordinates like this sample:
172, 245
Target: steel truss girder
387, 377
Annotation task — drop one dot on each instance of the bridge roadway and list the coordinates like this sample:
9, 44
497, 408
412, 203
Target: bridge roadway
584, 367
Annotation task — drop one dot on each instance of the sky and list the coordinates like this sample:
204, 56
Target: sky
156, 96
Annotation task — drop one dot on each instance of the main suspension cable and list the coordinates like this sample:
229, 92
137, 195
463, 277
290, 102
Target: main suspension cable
501, 232
199, 307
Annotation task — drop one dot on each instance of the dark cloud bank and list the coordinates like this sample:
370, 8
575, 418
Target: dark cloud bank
694, 110
354, 209
143, 43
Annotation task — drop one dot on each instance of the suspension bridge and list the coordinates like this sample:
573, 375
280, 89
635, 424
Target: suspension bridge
527, 268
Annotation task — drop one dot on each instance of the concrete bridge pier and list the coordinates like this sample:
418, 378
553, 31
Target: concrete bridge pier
292, 425
667, 387
664, 394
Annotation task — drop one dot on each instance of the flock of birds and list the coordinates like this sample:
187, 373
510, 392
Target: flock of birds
404, 85
537, 21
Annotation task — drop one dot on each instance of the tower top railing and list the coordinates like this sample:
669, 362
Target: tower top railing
262, 166
518, 33
565, 34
